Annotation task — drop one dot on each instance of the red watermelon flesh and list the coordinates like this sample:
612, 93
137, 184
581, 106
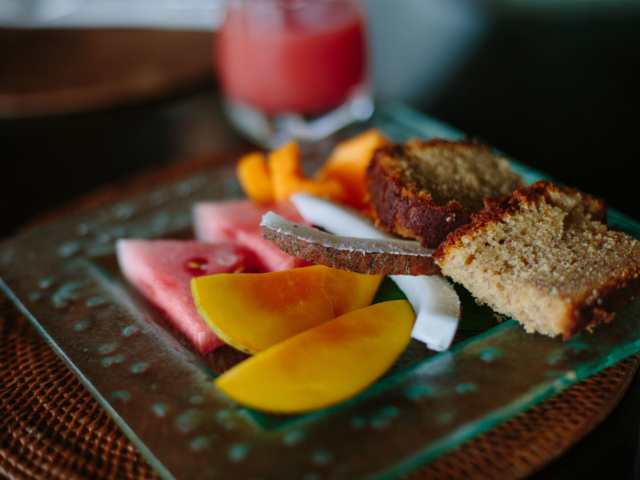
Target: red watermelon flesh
238, 222
162, 271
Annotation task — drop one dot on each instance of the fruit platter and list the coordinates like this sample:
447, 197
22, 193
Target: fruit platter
96, 286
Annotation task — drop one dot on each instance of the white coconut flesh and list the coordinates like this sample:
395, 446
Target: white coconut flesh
280, 224
433, 298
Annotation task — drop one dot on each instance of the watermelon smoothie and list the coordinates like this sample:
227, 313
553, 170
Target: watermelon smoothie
289, 62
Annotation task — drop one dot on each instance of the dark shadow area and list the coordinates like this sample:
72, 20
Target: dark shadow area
49, 161
610, 451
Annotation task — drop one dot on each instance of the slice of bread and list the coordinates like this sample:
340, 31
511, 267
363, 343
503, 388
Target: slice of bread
424, 190
543, 257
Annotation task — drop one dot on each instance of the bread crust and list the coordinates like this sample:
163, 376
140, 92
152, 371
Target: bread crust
404, 207
497, 208
601, 305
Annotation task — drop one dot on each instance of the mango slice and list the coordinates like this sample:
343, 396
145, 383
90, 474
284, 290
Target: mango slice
348, 162
254, 177
325, 365
254, 311
288, 178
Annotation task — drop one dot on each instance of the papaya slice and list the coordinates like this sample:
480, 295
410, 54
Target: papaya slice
325, 365
341, 178
347, 165
288, 178
254, 311
253, 174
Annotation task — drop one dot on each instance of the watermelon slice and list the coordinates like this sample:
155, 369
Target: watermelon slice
238, 222
162, 271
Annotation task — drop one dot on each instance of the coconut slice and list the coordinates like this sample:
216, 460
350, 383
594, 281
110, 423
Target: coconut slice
369, 256
432, 297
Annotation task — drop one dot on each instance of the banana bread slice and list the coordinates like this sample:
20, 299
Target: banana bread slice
424, 190
544, 257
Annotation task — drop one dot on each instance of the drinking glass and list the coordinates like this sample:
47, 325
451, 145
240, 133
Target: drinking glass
293, 69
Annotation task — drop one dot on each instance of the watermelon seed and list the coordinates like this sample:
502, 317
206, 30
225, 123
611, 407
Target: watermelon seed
197, 266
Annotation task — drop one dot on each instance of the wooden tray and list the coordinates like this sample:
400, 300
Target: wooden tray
49, 72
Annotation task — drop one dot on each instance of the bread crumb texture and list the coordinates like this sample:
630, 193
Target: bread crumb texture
425, 190
544, 257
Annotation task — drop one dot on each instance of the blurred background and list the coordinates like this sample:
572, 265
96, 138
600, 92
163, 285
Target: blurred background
92, 91
95, 91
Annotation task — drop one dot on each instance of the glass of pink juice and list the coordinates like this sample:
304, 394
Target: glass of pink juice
293, 69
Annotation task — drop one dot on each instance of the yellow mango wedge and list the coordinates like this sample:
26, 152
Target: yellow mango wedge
253, 311
325, 365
